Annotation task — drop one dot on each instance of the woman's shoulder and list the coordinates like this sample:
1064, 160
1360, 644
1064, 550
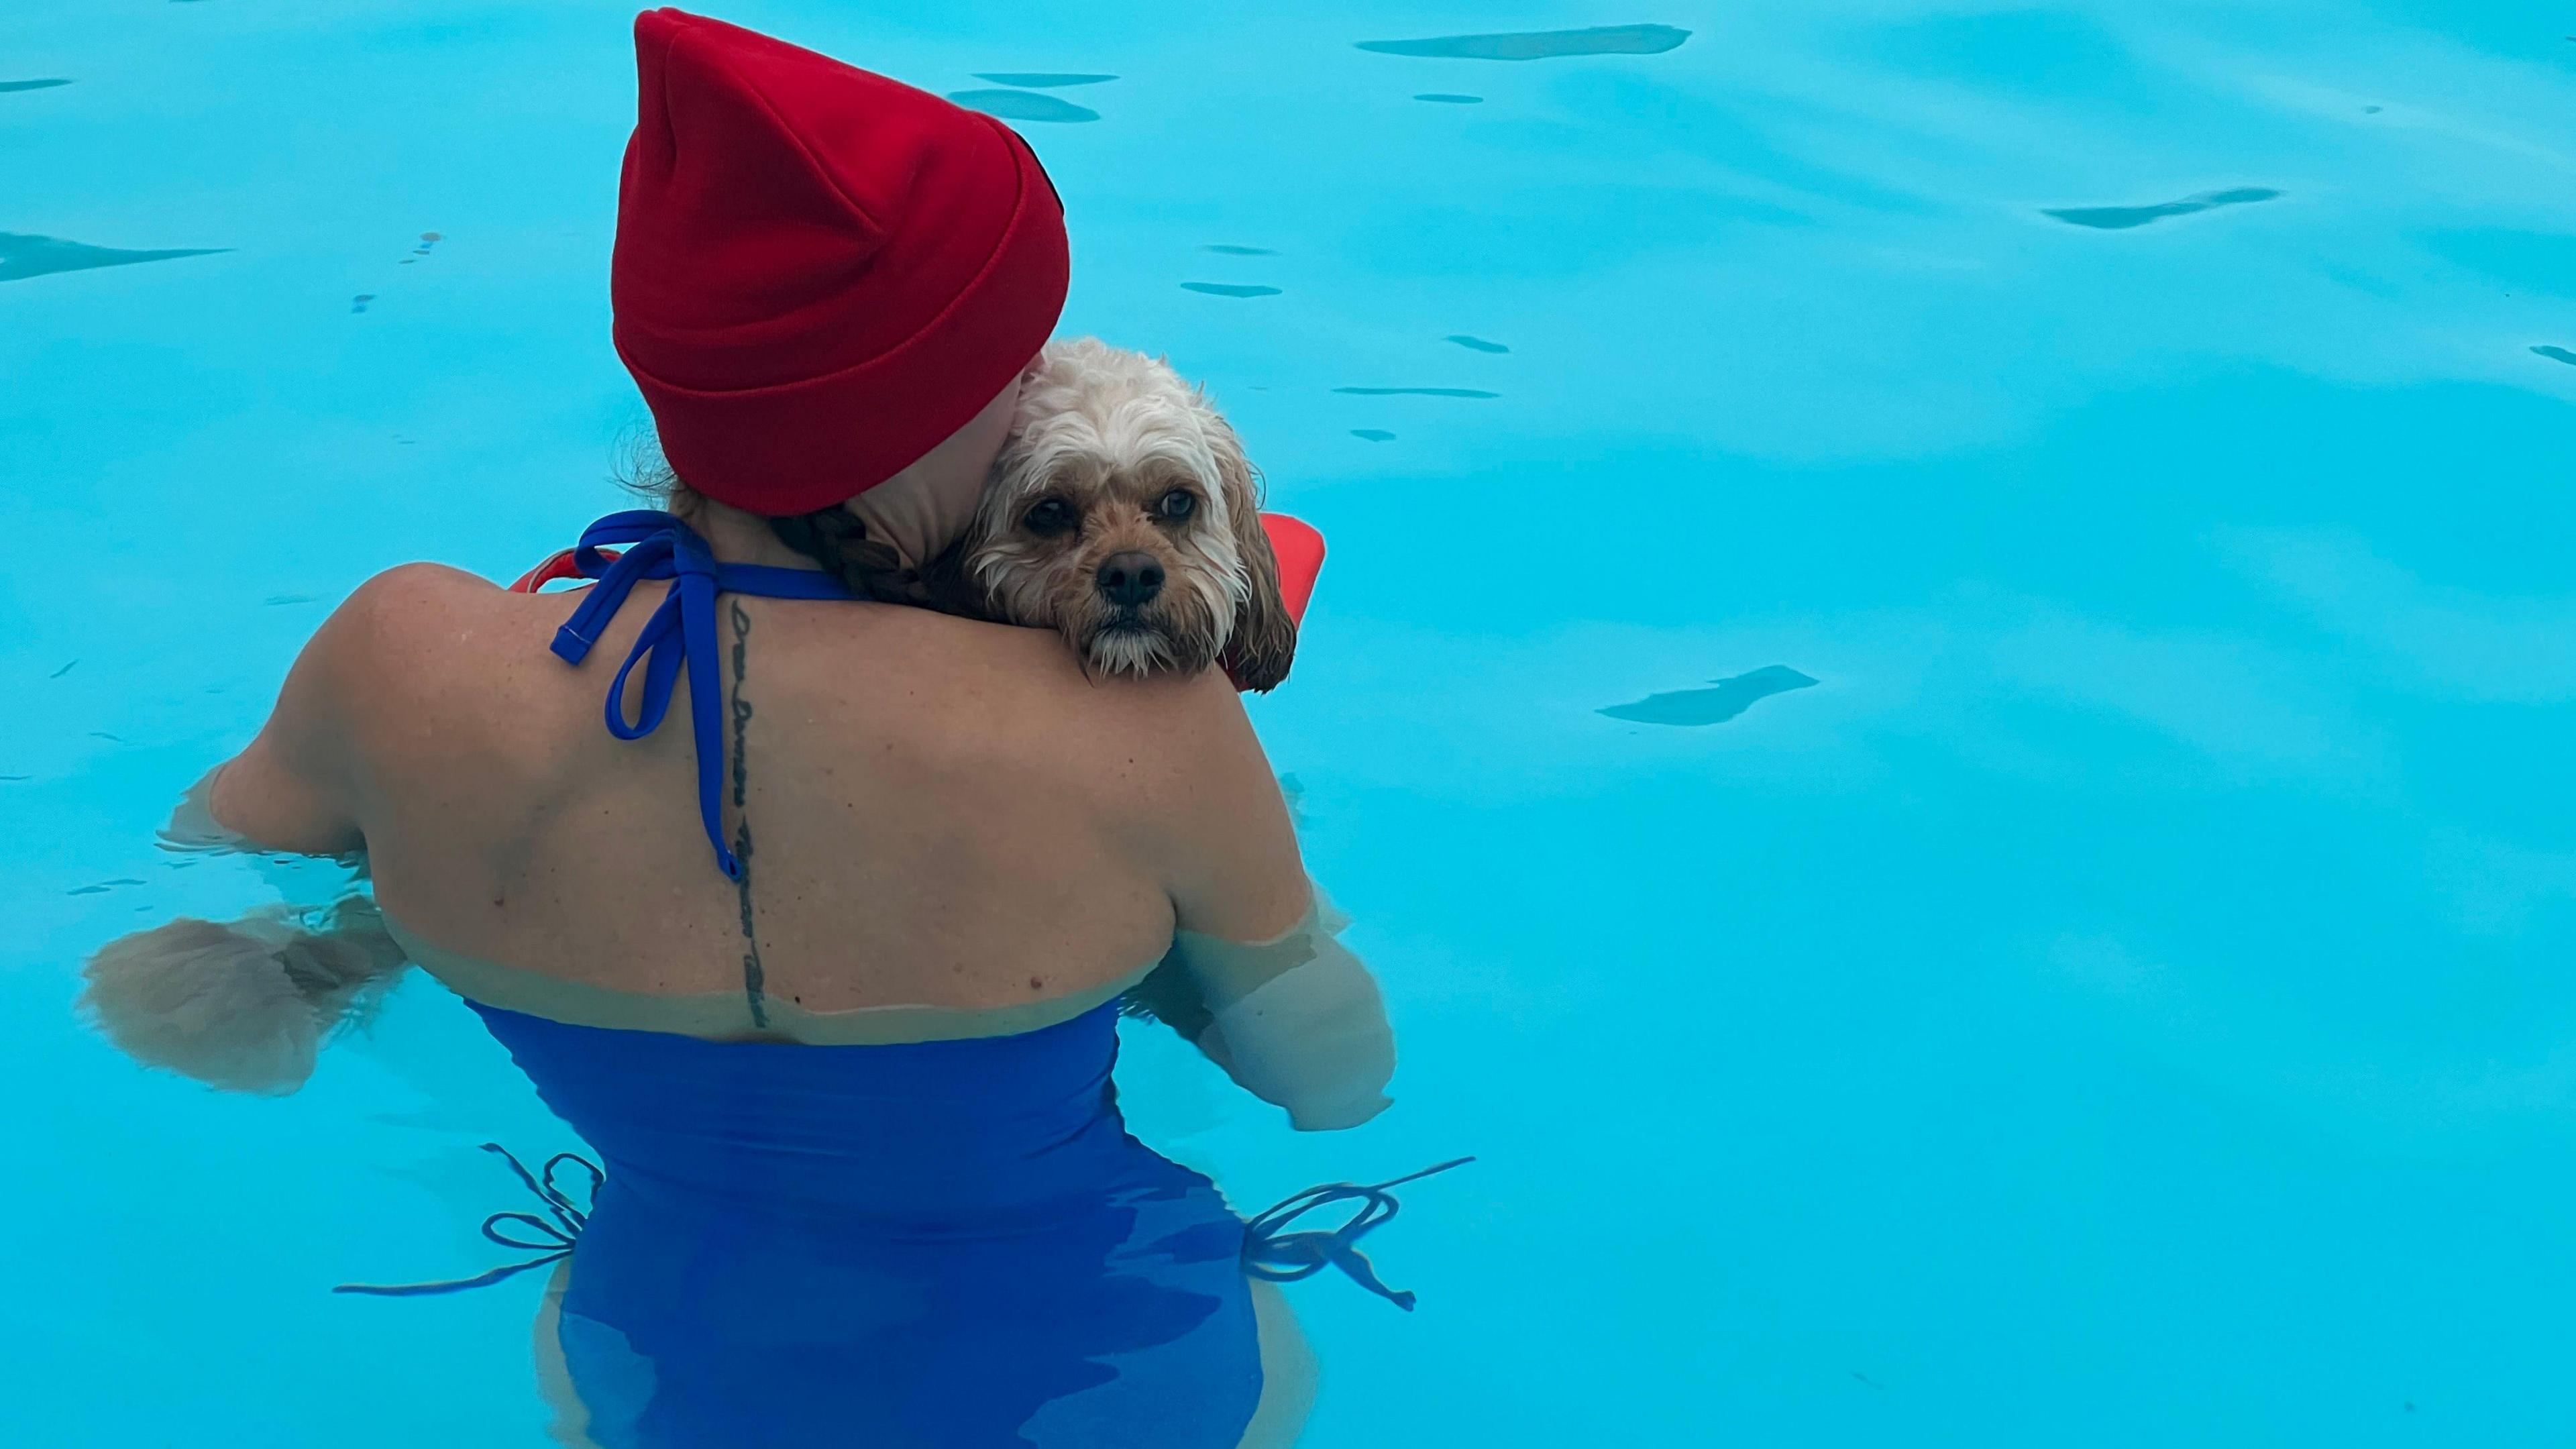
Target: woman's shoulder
406, 593
971, 691
429, 598
1031, 673
389, 607
427, 625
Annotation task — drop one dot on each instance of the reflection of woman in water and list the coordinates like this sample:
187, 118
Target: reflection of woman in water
827, 975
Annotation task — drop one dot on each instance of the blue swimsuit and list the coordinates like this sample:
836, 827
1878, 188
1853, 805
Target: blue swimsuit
947, 1243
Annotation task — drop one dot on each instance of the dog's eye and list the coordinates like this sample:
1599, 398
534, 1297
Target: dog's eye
1176, 505
1049, 517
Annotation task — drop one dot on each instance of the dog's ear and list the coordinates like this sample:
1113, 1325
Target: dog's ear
945, 587
1264, 641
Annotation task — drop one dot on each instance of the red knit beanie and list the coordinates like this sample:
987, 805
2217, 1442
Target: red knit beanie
820, 273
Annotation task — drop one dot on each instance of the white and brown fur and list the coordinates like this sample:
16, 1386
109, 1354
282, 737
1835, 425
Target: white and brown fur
1113, 464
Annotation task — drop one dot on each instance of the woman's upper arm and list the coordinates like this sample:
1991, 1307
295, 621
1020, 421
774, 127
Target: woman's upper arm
292, 788
1231, 862
1280, 1003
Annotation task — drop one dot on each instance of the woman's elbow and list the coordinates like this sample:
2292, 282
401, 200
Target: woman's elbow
1340, 1114
1327, 1068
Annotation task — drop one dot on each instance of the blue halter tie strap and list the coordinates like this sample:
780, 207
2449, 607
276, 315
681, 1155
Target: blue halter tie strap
681, 632
552, 1241
1269, 1250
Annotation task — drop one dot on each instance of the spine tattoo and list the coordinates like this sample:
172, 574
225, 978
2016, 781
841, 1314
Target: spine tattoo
752, 988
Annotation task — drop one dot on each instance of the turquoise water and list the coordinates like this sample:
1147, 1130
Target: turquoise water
2121, 997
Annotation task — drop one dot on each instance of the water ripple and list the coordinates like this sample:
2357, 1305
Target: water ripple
1539, 44
1041, 79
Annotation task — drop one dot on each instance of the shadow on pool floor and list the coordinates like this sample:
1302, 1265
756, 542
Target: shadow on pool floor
1539, 44
2121, 218
1732, 696
23, 256
1023, 106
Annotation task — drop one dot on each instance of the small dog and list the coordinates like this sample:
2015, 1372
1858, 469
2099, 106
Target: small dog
1123, 514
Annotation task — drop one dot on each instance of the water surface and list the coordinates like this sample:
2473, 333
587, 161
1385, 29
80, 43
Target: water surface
2123, 1004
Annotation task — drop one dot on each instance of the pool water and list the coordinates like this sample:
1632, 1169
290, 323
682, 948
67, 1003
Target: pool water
1942, 696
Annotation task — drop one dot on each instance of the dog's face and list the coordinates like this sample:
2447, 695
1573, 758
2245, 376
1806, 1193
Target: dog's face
1123, 514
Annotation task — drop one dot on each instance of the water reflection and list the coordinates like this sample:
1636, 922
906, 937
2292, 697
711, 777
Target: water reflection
31, 85
1416, 392
1229, 289
1539, 44
1474, 344
1041, 79
1447, 99
1374, 435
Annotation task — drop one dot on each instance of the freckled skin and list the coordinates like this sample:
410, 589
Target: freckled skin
1015, 820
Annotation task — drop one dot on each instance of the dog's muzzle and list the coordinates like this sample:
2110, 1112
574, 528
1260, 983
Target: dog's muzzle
1129, 580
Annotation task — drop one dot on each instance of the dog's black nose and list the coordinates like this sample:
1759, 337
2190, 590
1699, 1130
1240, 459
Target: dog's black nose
1130, 580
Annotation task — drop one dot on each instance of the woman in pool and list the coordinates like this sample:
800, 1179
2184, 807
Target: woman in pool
829, 977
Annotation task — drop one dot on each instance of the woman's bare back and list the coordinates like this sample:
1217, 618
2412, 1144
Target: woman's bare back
939, 812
